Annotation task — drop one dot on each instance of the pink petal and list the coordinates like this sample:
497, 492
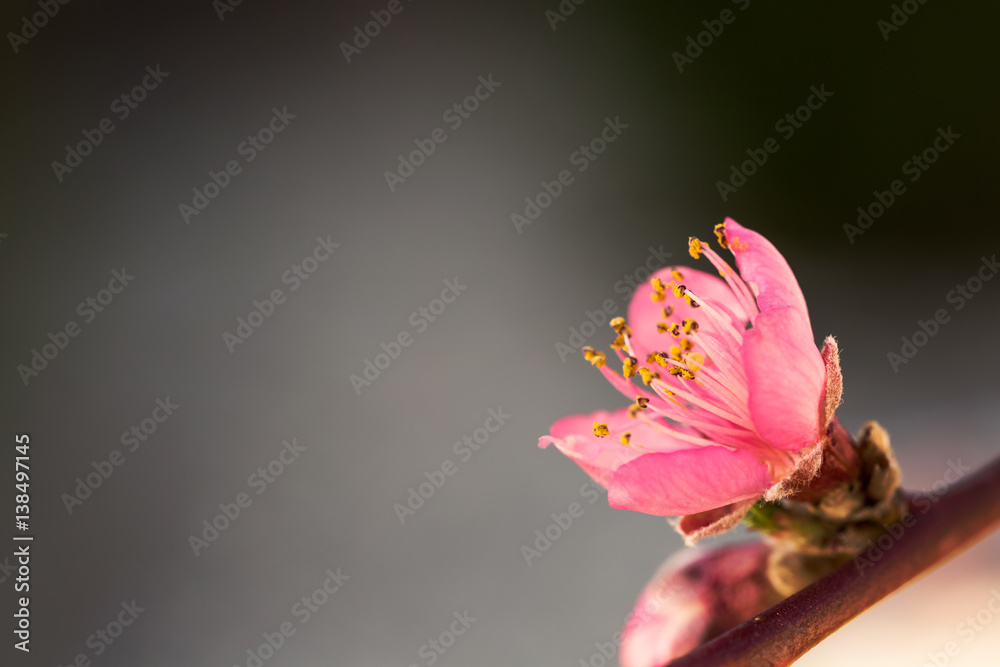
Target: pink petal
600, 457
687, 481
693, 595
654, 639
786, 378
761, 264
644, 313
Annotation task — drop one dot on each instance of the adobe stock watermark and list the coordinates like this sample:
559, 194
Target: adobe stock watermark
455, 116
302, 611
420, 320
259, 481
901, 13
923, 502
223, 7
294, 277
465, 449
131, 439
914, 168
122, 106
968, 629
581, 158
103, 637
578, 336
562, 12
372, 29
435, 648
713, 29
786, 126
38, 20
958, 296
249, 148
88, 309
561, 522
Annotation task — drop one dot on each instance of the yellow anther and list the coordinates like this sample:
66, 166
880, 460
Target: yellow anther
633, 410
695, 361
668, 311
595, 357
686, 344
691, 302
619, 342
652, 357
677, 275
689, 325
629, 366
680, 290
642, 402
625, 438
720, 233
681, 372
675, 352
617, 324
659, 290
694, 247
662, 327
661, 359
647, 375
601, 430
674, 329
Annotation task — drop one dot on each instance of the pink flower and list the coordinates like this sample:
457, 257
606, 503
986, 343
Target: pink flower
735, 396
695, 596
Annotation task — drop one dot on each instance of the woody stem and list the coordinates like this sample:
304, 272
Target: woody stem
967, 512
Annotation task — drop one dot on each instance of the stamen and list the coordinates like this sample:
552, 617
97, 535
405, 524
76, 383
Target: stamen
601, 430
595, 357
618, 324
642, 402
689, 325
695, 361
717, 410
694, 247
682, 372
720, 233
728, 366
659, 290
625, 438
629, 366
736, 283
647, 375
720, 319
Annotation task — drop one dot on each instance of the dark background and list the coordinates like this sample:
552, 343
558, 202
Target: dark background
495, 346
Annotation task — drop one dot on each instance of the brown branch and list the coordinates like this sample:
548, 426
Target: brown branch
967, 512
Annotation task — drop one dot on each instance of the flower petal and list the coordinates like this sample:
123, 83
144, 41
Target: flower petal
687, 481
761, 264
696, 594
600, 457
786, 378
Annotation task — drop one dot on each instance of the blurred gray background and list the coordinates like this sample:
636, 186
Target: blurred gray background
494, 347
